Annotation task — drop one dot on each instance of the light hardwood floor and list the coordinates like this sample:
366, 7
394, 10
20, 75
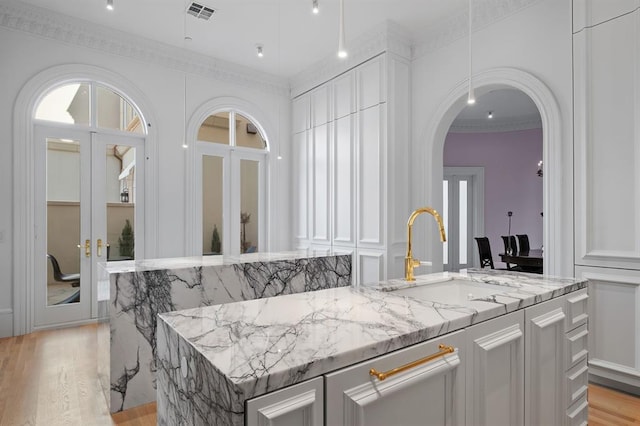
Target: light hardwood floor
49, 378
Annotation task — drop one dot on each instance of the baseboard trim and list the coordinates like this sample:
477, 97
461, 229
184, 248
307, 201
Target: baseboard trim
6, 322
614, 384
614, 376
66, 324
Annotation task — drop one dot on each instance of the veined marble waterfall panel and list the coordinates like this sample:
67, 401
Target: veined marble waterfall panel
137, 296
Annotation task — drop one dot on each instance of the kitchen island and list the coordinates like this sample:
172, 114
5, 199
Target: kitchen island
132, 293
215, 364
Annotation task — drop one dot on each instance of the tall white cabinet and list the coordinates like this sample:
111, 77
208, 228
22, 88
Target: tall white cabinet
351, 141
607, 193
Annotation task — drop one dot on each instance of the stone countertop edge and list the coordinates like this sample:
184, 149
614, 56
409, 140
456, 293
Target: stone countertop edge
266, 344
174, 263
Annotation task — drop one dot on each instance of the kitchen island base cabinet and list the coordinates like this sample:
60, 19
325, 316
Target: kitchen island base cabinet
298, 405
429, 393
495, 371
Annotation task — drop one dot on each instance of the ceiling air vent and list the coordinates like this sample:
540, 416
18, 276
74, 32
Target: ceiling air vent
200, 11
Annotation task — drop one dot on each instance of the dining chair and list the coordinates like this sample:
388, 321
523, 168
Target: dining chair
484, 250
510, 243
523, 243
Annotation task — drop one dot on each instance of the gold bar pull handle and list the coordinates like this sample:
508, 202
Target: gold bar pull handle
444, 349
87, 248
99, 247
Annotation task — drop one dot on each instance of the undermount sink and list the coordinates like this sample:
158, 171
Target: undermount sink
453, 291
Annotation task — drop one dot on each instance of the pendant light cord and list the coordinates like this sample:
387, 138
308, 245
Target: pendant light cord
471, 99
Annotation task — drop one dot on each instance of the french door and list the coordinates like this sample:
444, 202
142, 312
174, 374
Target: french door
232, 200
463, 215
89, 209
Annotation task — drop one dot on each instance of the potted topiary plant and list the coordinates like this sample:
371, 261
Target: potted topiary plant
216, 245
126, 241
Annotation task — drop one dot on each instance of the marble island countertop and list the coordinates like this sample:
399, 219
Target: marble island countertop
262, 345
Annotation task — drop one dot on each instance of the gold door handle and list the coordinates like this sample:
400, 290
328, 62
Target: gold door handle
99, 247
87, 248
444, 349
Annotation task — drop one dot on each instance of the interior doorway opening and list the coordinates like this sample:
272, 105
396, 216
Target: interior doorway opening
502, 135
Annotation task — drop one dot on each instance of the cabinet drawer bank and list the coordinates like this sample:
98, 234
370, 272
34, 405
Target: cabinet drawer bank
272, 361
132, 293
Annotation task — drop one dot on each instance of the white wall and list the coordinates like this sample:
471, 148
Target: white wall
162, 88
536, 40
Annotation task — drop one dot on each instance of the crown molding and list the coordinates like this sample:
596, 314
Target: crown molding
66, 29
496, 125
486, 12
387, 37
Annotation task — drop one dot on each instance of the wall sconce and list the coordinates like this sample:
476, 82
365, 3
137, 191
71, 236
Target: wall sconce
124, 196
539, 172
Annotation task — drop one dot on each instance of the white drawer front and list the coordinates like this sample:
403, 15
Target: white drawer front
577, 381
577, 345
577, 309
577, 414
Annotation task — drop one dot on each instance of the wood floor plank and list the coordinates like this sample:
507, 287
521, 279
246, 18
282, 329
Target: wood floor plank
50, 378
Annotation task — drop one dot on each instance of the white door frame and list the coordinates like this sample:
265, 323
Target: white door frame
24, 202
477, 207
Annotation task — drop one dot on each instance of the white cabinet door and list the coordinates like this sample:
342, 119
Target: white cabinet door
320, 207
344, 96
371, 177
614, 324
301, 111
495, 371
301, 188
428, 394
607, 136
371, 83
344, 175
588, 13
545, 401
320, 113
298, 405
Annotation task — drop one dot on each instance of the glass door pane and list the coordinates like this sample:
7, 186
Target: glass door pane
212, 204
249, 205
63, 190
120, 191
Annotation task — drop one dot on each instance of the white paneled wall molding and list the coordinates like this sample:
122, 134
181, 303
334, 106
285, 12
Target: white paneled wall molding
606, 80
343, 131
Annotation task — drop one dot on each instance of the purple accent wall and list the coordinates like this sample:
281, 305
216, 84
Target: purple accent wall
510, 161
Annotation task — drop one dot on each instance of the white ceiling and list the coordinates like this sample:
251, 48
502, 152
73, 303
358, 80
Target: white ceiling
293, 37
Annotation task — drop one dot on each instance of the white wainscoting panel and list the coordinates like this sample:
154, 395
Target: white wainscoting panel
344, 95
607, 134
614, 323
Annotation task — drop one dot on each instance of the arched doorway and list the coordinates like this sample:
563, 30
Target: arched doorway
81, 145
556, 182
492, 187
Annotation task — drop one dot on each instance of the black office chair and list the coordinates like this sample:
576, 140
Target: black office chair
484, 250
73, 279
523, 243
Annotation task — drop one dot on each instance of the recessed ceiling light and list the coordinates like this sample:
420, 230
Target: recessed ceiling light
109, 4
490, 115
315, 8
260, 51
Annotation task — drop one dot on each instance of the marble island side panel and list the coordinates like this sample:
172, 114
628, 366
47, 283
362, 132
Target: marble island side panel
134, 293
211, 360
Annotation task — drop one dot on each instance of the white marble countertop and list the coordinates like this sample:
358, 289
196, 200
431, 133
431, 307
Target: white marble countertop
197, 261
263, 345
